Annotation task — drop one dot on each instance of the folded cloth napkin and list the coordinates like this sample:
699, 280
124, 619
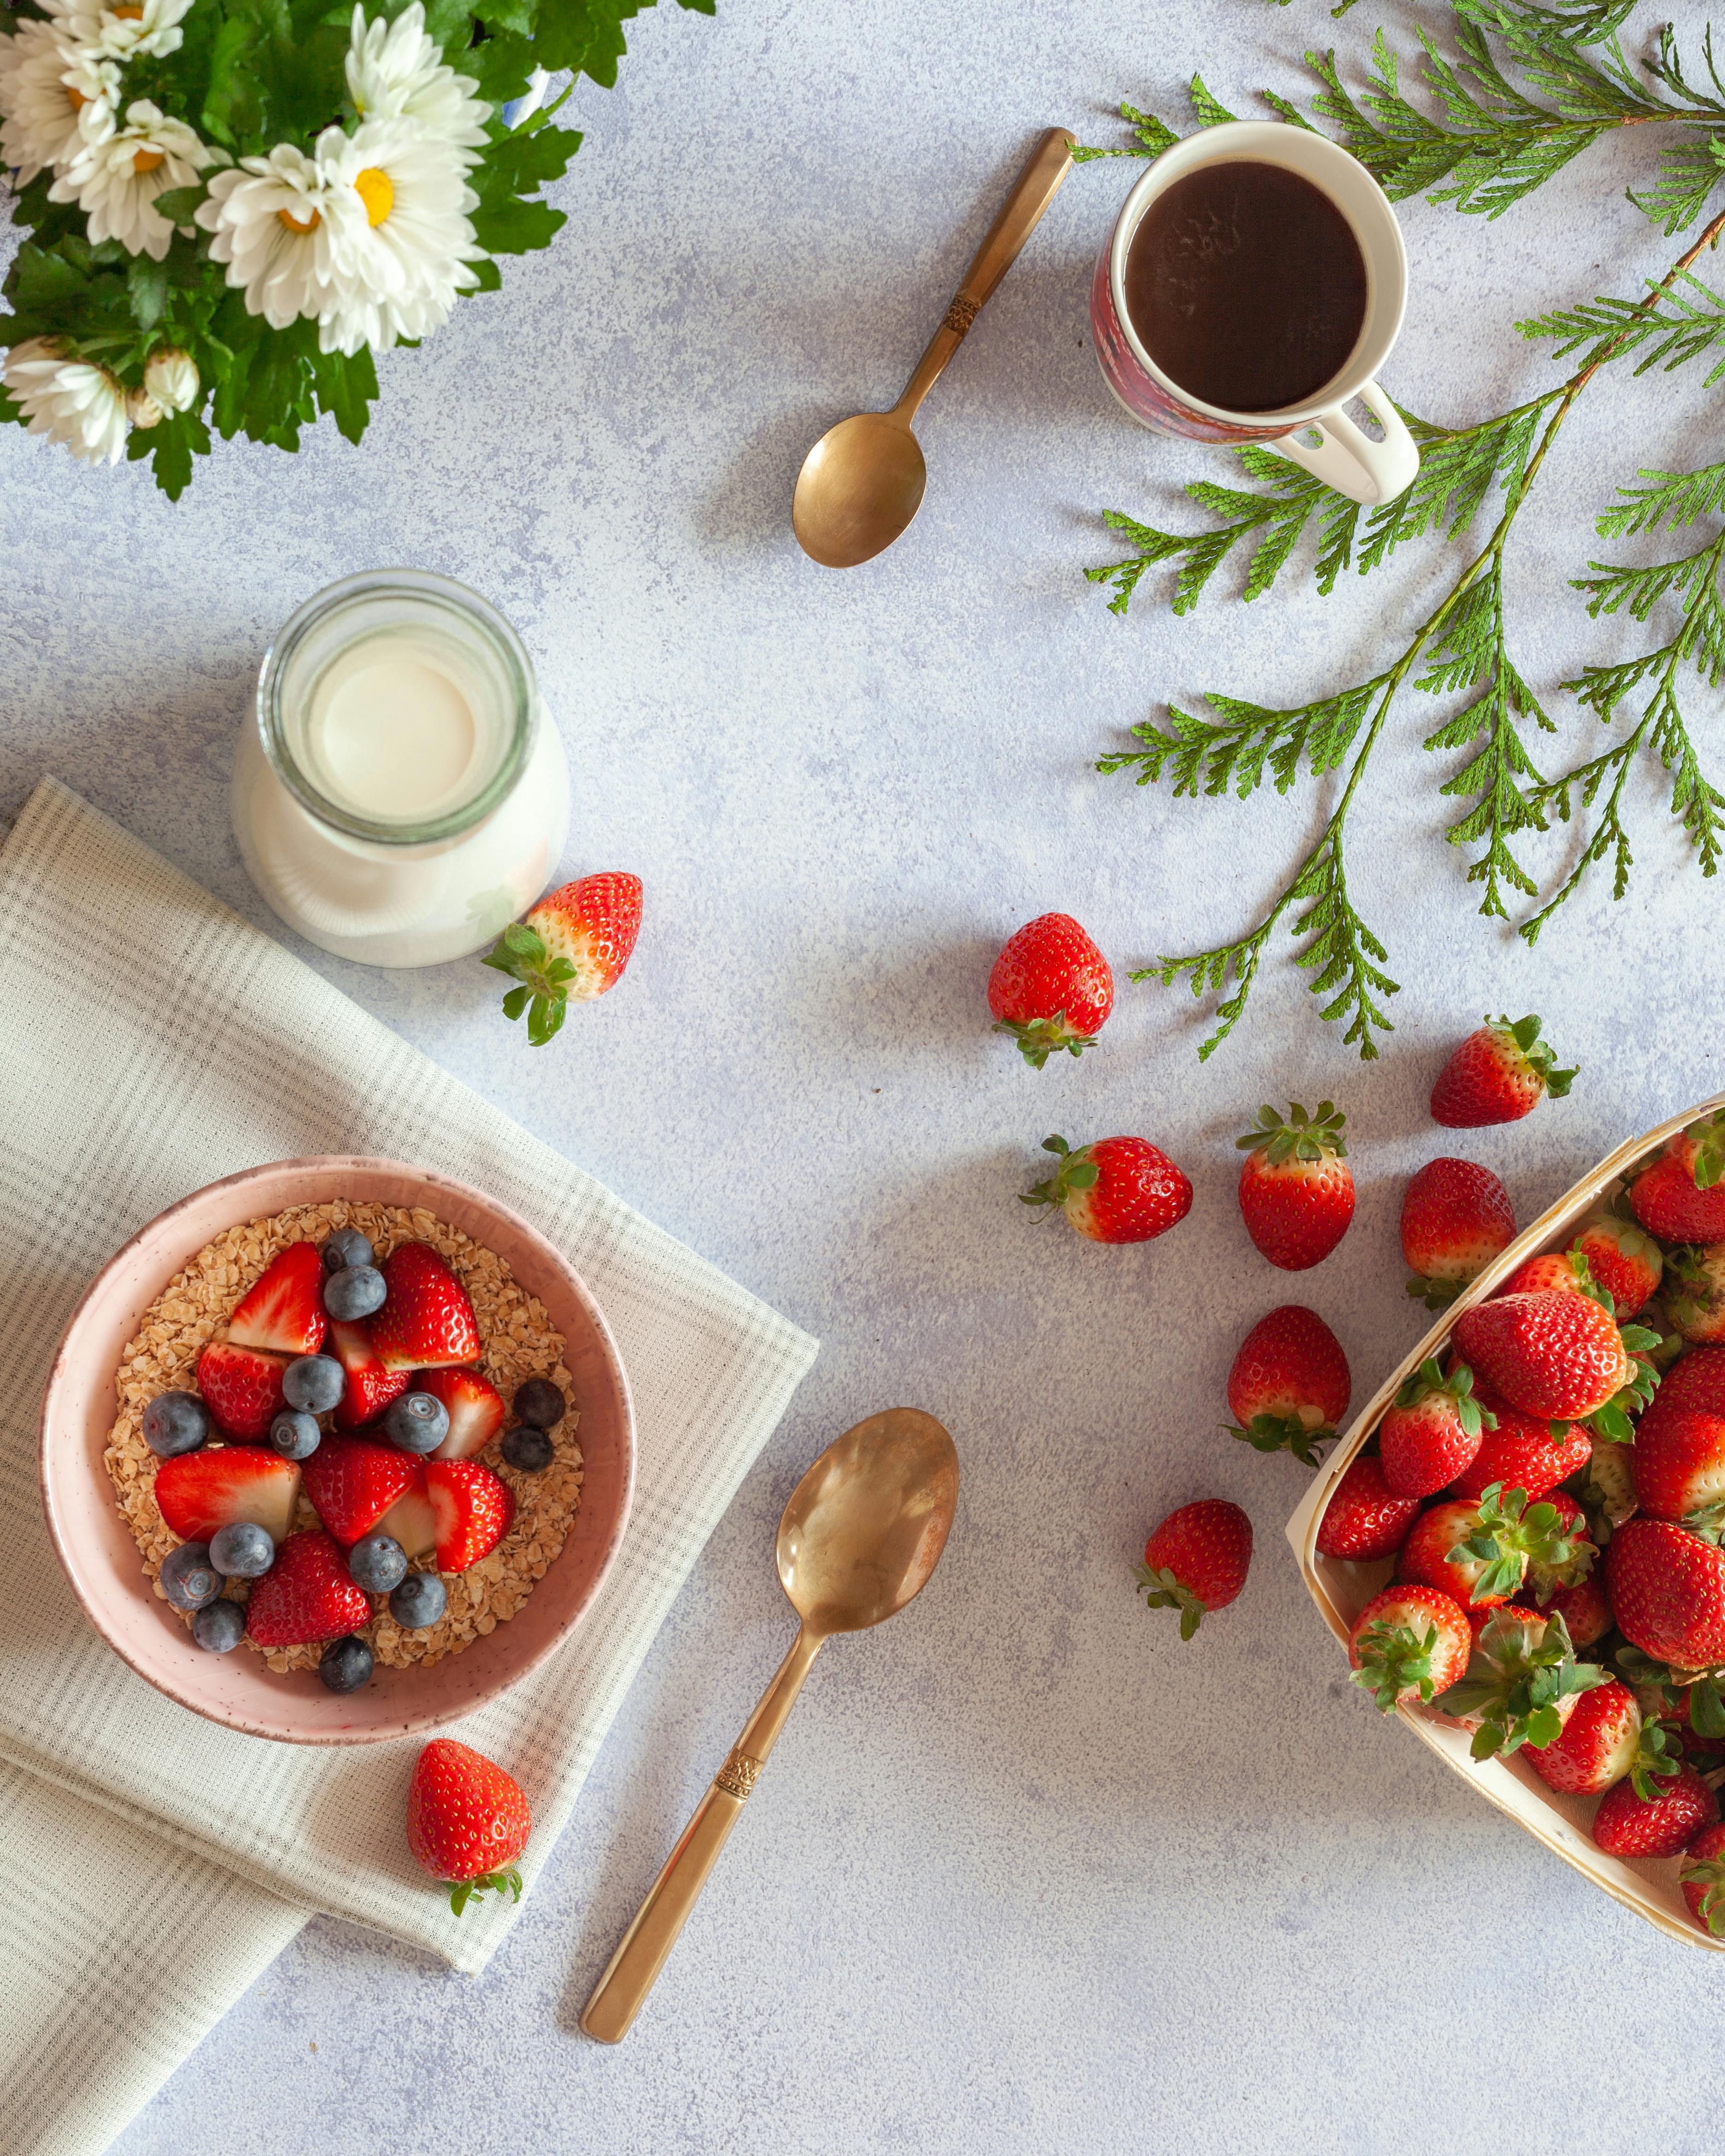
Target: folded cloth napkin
152, 1042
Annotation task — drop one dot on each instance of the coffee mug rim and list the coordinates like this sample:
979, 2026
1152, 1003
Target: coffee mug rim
1370, 356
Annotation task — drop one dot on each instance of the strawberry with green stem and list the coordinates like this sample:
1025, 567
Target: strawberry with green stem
1559, 1356
1605, 1738
1113, 1190
1407, 1643
468, 1821
1678, 1196
1050, 990
1623, 1259
1659, 1819
1296, 1187
1497, 1075
1565, 1270
570, 947
1197, 1561
1457, 1216
1432, 1431
1290, 1384
1480, 1553
1521, 1685
1702, 1879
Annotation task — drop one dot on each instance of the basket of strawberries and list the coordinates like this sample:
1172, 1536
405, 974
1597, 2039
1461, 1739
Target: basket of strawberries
1518, 1541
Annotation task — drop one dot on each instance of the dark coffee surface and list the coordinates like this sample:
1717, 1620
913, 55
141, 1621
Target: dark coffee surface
1246, 285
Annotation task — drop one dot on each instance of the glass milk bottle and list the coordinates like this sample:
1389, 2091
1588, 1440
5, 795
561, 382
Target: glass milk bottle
402, 794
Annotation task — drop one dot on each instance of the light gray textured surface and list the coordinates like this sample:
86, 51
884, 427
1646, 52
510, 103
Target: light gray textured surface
1025, 1873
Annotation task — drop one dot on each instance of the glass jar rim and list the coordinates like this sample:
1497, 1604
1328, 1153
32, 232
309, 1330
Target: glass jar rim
427, 586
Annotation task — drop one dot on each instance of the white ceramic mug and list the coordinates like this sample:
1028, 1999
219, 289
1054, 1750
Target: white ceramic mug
1319, 435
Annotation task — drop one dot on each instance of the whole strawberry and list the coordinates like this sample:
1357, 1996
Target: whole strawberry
1114, 1190
1680, 1197
1432, 1431
1548, 1353
1604, 1739
1050, 990
1667, 1592
1408, 1643
1196, 1561
1290, 1384
1625, 1260
1497, 1075
571, 946
1566, 1270
1364, 1519
1522, 1685
1702, 1879
1295, 1186
1679, 1471
1457, 1216
1662, 1824
1481, 1551
467, 1821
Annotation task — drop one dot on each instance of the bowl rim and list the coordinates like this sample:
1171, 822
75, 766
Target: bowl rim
434, 1180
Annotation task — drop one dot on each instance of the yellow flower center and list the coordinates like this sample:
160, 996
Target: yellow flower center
374, 190
299, 224
149, 160
127, 14
76, 99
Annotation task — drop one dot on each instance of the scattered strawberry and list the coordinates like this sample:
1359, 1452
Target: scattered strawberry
352, 1483
472, 1510
1114, 1190
1625, 1262
1584, 1608
307, 1596
1497, 1075
1694, 1296
1551, 1354
427, 1321
1196, 1561
1627, 1824
1521, 1452
1481, 1552
1604, 1739
283, 1310
1679, 1470
1432, 1431
1457, 1216
371, 1386
1667, 1592
1565, 1270
1050, 990
571, 946
198, 1493
1702, 1879
1522, 1685
1290, 1384
1678, 1197
241, 1388
1295, 1186
1364, 1519
475, 1407
1408, 1643
467, 1821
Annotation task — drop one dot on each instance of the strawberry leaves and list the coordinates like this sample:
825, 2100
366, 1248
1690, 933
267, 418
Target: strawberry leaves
1165, 1590
1077, 1172
1040, 1038
1511, 1538
1393, 1659
1538, 1055
1707, 1873
543, 994
1657, 1759
1429, 1381
1270, 1433
1523, 1667
464, 1891
1301, 1137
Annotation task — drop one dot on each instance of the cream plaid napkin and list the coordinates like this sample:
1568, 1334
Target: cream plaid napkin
151, 1042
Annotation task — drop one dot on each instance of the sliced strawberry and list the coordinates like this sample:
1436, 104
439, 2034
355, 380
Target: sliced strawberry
241, 1388
284, 1310
353, 1483
427, 1321
476, 1406
200, 1493
307, 1597
410, 1521
473, 1510
370, 1387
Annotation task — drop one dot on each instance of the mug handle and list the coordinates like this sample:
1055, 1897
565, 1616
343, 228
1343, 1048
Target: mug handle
1349, 460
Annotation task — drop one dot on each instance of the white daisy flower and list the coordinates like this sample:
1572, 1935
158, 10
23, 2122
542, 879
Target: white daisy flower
115, 178
170, 380
47, 89
67, 400
122, 34
396, 72
402, 243
268, 215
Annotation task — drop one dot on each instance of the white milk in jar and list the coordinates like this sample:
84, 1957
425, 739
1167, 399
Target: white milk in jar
401, 795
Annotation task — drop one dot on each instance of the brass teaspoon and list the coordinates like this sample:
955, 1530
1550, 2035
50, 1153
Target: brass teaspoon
862, 482
859, 1536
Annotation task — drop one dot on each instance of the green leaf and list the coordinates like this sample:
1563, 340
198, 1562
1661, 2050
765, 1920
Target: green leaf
146, 281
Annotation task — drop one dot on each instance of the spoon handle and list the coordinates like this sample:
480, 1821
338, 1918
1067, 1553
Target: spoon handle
633, 1969
1020, 215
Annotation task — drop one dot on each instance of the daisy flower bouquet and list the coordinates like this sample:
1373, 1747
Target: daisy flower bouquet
227, 208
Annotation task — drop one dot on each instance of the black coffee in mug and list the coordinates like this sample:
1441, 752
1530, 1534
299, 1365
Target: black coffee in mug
1246, 286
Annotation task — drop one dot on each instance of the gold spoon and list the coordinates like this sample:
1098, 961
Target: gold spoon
862, 1532
862, 482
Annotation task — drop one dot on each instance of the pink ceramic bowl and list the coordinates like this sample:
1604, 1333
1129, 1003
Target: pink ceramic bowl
95, 1544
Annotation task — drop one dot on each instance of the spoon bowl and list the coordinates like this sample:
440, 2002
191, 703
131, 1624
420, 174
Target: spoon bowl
860, 486
866, 1527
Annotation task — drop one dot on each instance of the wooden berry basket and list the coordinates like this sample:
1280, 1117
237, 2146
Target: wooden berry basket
1341, 1589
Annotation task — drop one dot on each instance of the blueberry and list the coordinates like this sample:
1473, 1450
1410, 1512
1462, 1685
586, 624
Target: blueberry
219, 1627
528, 1449
176, 1423
355, 1291
346, 1664
345, 1248
242, 1550
296, 1436
418, 1422
540, 1403
420, 1600
377, 1563
188, 1578
314, 1383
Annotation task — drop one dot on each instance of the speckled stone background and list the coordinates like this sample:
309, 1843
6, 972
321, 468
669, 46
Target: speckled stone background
1026, 1873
